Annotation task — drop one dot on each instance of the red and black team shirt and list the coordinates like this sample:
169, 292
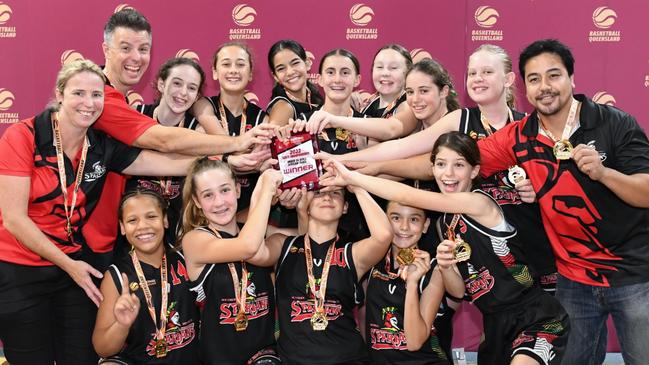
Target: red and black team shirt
27, 149
597, 238
125, 124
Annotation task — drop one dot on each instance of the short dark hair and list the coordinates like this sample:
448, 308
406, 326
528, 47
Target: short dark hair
137, 192
126, 18
547, 46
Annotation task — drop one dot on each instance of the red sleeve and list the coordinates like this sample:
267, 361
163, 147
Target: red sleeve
497, 152
17, 149
119, 120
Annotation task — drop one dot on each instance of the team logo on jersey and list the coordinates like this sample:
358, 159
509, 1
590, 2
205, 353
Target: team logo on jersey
419, 54
7, 100
170, 191
98, 170
486, 18
361, 15
604, 98
257, 304
244, 15
69, 56
134, 99
188, 53
121, 7
302, 310
602, 154
5, 15
479, 284
389, 335
603, 19
504, 195
177, 333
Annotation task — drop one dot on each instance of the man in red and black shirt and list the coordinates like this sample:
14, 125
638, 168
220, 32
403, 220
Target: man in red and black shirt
593, 201
127, 51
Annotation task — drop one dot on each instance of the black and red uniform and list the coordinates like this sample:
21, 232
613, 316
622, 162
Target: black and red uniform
254, 116
518, 316
525, 217
38, 297
597, 238
125, 124
341, 341
181, 332
220, 342
171, 188
384, 318
373, 109
300, 110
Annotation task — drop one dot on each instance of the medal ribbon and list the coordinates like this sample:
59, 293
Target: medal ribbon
60, 162
570, 123
486, 123
240, 287
308, 255
391, 104
308, 97
450, 233
240, 292
388, 266
164, 181
224, 119
160, 332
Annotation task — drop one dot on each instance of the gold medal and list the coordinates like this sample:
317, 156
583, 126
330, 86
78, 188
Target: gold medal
562, 149
342, 134
462, 250
134, 286
241, 323
406, 256
516, 174
160, 348
319, 321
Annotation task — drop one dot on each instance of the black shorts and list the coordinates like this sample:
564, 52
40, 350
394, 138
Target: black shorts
538, 327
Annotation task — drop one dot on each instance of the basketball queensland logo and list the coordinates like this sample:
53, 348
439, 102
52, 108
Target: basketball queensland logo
188, 53
244, 16
361, 15
134, 99
7, 100
121, 7
604, 98
313, 76
604, 18
69, 56
419, 54
5, 16
486, 17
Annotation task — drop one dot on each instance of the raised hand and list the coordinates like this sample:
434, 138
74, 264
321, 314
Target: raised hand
444, 255
127, 305
413, 273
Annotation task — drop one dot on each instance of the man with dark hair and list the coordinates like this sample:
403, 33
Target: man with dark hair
589, 166
127, 52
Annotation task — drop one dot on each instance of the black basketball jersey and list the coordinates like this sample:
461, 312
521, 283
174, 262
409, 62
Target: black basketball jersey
181, 332
384, 319
254, 116
171, 188
298, 343
525, 217
373, 109
495, 276
300, 110
220, 342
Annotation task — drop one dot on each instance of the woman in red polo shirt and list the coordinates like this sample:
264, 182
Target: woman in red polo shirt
44, 316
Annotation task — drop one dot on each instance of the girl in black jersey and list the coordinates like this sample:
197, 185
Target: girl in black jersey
317, 277
137, 322
400, 314
233, 286
389, 68
523, 324
293, 96
429, 95
230, 112
179, 84
489, 84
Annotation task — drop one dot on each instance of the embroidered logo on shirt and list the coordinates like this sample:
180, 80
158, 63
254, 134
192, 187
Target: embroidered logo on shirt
98, 171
